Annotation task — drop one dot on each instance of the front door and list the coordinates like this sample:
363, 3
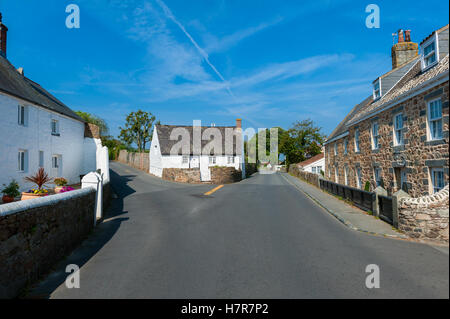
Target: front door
194, 162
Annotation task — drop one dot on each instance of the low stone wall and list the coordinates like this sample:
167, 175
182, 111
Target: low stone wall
182, 175
425, 217
137, 160
35, 234
225, 175
306, 176
250, 168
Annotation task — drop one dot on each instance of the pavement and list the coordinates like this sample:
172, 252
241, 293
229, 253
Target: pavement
259, 238
350, 216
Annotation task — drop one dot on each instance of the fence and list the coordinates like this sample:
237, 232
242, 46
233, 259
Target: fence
360, 198
385, 208
306, 176
137, 160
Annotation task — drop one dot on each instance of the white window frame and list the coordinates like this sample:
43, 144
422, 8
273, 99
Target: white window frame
358, 177
336, 174
377, 173
376, 145
434, 170
185, 159
22, 117
55, 160
357, 146
212, 160
377, 91
346, 175
398, 130
313, 170
22, 161
431, 120
335, 149
434, 39
230, 159
56, 131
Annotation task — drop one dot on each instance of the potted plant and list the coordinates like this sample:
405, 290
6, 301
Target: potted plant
60, 182
10, 192
40, 179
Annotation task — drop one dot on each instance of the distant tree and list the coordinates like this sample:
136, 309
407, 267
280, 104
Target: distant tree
137, 129
93, 119
303, 140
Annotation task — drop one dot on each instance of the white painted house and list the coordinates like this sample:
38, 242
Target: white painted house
171, 148
315, 164
38, 130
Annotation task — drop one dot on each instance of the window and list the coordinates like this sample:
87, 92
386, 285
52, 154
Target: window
185, 159
55, 161
212, 160
41, 158
346, 175
435, 119
398, 129
356, 140
375, 136
429, 54
336, 176
358, 177
437, 179
376, 89
329, 171
22, 158
335, 149
400, 178
314, 169
21, 115
377, 175
319, 169
230, 159
345, 145
55, 127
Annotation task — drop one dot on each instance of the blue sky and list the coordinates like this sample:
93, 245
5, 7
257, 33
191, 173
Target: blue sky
268, 62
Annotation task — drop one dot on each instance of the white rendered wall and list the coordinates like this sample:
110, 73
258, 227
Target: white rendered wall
34, 137
321, 162
90, 147
156, 165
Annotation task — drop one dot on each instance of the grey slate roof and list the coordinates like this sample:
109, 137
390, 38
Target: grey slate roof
166, 144
17, 85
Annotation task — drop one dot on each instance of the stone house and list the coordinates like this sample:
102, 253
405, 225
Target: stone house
192, 153
398, 137
38, 130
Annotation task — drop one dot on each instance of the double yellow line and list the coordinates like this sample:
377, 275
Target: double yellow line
213, 190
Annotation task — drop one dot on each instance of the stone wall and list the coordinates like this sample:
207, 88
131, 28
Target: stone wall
37, 233
225, 175
182, 175
417, 156
250, 168
91, 130
425, 217
137, 160
306, 176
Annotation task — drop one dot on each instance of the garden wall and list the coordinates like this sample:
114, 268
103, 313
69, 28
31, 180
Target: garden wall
219, 175
137, 160
225, 175
306, 176
35, 234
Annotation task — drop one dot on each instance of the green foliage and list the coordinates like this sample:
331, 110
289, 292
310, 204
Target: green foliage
322, 173
60, 181
12, 190
40, 178
137, 129
114, 146
367, 186
93, 119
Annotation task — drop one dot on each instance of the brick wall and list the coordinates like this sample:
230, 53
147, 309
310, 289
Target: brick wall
137, 160
33, 240
425, 217
417, 156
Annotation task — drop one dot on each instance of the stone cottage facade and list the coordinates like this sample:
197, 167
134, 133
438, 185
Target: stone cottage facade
398, 137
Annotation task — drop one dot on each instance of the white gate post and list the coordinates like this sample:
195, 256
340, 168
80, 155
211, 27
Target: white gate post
94, 180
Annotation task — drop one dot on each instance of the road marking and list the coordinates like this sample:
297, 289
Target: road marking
213, 190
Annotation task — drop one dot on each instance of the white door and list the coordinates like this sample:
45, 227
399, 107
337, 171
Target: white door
194, 162
205, 173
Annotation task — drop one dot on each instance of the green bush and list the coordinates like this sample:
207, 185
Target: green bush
12, 190
367, 186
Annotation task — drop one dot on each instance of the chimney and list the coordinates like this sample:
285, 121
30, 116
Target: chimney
238, 123
3, 31
20, 70
405, 50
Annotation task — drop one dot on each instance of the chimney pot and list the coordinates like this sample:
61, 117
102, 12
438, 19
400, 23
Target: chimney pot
400, 36
20, 70
239, 123
3, 32
407, 35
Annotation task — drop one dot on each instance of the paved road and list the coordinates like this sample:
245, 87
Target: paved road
261, 238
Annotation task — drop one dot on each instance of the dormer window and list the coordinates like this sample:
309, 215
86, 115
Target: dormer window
376, 89
430, 52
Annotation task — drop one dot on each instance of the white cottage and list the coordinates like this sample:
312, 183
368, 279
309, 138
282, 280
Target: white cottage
315, 164
38, 130
173, 146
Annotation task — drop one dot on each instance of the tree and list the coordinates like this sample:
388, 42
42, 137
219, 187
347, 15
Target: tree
302, 141
137, 129
93, 119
